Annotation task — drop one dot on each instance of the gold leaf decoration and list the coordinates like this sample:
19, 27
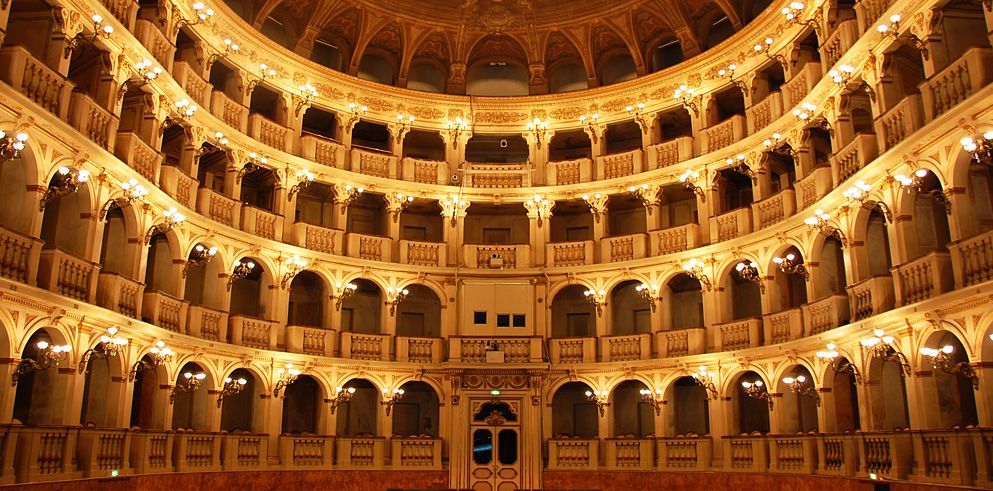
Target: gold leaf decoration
425, 112
500, 117
568, 113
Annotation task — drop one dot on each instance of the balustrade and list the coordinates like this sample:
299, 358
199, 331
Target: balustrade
218, 207
151, 451
195, 86
569, 172
312, 341
244, 451
45, 454
359, 346
813, 187
100, 451
899, 122
139, 155
739, 334
669, 152
233, 113
370, 247
572, 350
155, 41
261, 223
322, 150
629, 453
685, 453
359, 452
306, 452
943, 456
843, 36
729, 225
957, 81
626, 347
67, 275
801, 84
495, 350
573, 453
419, 350
252, 332
416, 453
682, 342
675, 239
837, 455
923, 278
19, 256
316, 238
569, 253
888, 455
373, 163
269, 132
871, 296
424, 171
497, 256
196, 452
792, 454
119, 293
826, 314
497, 176
722, 134
623, 248
178, 185
746, 453
32, 78
761, 114
774, 209
864, 148
780, 327
124, 10
95, 122
619, 165
423, 253
972, 259
207, 323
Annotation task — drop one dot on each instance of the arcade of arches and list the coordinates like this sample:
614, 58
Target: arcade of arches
289, 243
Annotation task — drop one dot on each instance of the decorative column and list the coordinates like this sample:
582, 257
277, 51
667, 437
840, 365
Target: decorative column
395, 204
539, 211
453, 210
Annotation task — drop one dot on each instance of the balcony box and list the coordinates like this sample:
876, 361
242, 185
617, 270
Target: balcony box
839, 41
572, 350
207, 323
424, 171
746, 454
151, 451
298, 452
374, 163
310, 340
871, 296
619, 165
124, 10
19, 256
800, 85
261, 223
244, 451
573, 453
269, 132
813, 187
853, 157
683, 342
972, 260
218, 207
762, 113
562, 254
252, 332
99, 451
784, 326
498, 176
196, 452
625, 348
900, 122
685, 453
630, 453
722, 134
370, 247
132, 150
826, 314
729, 225
178, 185
669, 152
514, 349
322, 150
509, 256
423, 253
233, 113
195, 86
569, 172
623, 248
794, 454
360, 452
415, 453
156, 42
925, 277
957, 82
67, 275
95, 122
359, 346
837, 455
739, 334
675, 239
119, 293
316, 238
165, 311
774, 209
419, 350
33, 79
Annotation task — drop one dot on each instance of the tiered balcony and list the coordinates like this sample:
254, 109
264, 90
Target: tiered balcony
233, 113
746, 453
359, 452
360, 346
156, 42
802, 83
784, 326
569, 253
179, 186
67, 275
98, 451
623, 248
956, 82
306, 452
18, 256
261, 223
682, 342
569, 172
888, 455
722, 134
774, 209
843, 36
309, 340
497, 256
573, 453
871, 296
495, 350
373, 163
899, 122
869, 11
922, 278
95, 122
762, 113
119, 293
734, 223
619, 164
416, 453
497, 176
739, 334
315, 238
322, 150
139, 155
423, 253
629, 453
32, 78
370, 247
207, 323
195, 86
123, 10
626, 347
419, 350
218, 207
269, 132
675, 239
685, 453
669, 152
972, 260
826, 314
794, 454
424, 171
165, 311
572, 350
813, 187
853, 157
252, 332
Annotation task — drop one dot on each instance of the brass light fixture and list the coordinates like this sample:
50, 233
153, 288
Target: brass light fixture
200, 256
597, 202
694, 268
821, 223
231, 388
598, 298
303, 100
241, 271
67, 181
293, 265
981, 147
304, 179
539, 206
403, 126
356, 111
159, 355
287, 375
915, 184
171, 219
342, 292
831, 355
757, 390
728, 72
394, 296
882, 346
189, 383
749, 271
792, 265
131, 191
201, 14
396, 203
390, 397
537, 128
638, 112
346, 195
892, 30
686, 96
51, 356
341, 396
764, 47
230, 47
705, 378
647, 194
111, 345
265, 72
940, 359
11, 146
688, 180
859, 193
650, 293
100, 30
591, 126
653, 397
600, 398
797, 385
455, 129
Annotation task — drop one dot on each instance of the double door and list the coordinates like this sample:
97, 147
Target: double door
495, 439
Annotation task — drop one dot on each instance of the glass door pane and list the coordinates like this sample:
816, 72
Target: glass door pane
507, 447
482, 446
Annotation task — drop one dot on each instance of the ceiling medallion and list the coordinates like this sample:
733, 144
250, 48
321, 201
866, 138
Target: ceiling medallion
495, 16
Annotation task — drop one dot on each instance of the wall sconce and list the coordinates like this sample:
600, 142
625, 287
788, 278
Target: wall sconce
537, 127
597, 202
637, 111
980, 147
307, 95
99, 31
265, 72
599, 397
650, 293
790, 265
11, 145
390, 397
455, 130
67, 181
831, 355
805, 112
201, 13
190, 382
821, 223
396, 203
647, 194
241, 271
892, 30
655, 398
729, 74
763, 48
915, 184
688, 180
859, 193
159, 355
591, 126
287, 375
200, 256
796, 385
394, 296
538, 206
111, 345
294, 265
342, 292
598, 298
940, 360
792, 14
131, 191
843, 75
694, 268
454, 207
356, 112
739, 164
346, 195
705, 378
184, 111
255, 161
749, 271
403, 126
686, 96
50, 355
341, 396
146, 70
171, 219
230, 47
883, 347
231, 388
304, 179
757, 390
775, 145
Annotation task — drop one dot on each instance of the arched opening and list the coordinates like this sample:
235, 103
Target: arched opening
903, 72
690, 410
574, 415
190, 399
622, 137
66, 223
626, 215
116, 248
306, 303
617, 68
225, 80
724, 105
679, 206
242, 410
780, 169
320, 123
497, 149
372, 136
367, 215
674, 123
744, 294
929, 218
422, 221
798, 409
572, 314
376, 68
569, 145
979, 199
806, 50
101, 387
567, 77
887, 394
18, 207
829, 276
630, 312
789, 282
315, 206
302, 407
212, 168
203, 286
682, 302
361, 311
571, 221
768, 80
267, 103
424, 145
250, 295
633, 416
734, 189
751, 412
877, 245
497, 78
427, 77
844, 391
258, 188
161, 270
359, 416
38, 399
144, 393
667, 53
419, 314
953, 403
416, 414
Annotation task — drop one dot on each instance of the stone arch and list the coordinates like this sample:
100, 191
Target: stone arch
18, 195
572, 315
420, 313
191, 409
245, 410
632, 416
630, 313
949, 398
689, 410
748, 415
573, 413
308, 291
360, 415
797, 411
417, 413
103, 384
839, 381
363, 310
739, 298
253, 295
303, 407
39, 398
